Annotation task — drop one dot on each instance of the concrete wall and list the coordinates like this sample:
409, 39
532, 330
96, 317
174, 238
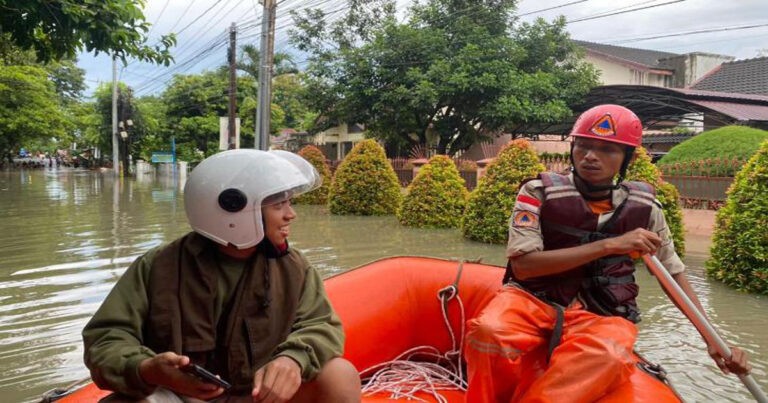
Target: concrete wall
614, 73
691, 67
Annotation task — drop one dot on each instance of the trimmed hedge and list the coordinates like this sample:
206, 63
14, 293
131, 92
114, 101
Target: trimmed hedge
436, 197
739, 252
365, 183
490, 204
642, 169
317, 159
738, 142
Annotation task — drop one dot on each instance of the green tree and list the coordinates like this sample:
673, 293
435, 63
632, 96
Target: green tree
194, 104
436, 197
29, 108
365, 183
457, 72
68, 79
318, 160
739, 253
490, 204
287, 89
62, 28
288, 92
642, 169
128, 115
249, 62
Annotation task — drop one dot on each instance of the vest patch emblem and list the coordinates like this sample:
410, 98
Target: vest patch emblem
525, 219
604, 127
528, 203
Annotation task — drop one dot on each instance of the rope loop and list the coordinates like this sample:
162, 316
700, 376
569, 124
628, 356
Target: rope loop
404, 377
447, 293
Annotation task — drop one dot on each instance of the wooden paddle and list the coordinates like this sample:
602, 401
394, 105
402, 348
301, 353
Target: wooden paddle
699, 320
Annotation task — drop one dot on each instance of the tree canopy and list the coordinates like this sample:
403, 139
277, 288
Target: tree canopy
29, 107
456, 72
61, 28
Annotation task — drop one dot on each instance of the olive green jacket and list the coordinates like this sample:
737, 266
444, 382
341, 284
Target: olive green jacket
140, 316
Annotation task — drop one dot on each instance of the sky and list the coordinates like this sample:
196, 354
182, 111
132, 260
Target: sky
202, 30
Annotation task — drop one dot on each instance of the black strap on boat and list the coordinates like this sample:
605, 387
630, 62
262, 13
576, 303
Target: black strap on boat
656, 371
557, 330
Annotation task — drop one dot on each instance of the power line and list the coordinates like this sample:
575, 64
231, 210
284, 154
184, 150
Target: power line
700, 31
552, 8
199, 17
182, 15
610, 13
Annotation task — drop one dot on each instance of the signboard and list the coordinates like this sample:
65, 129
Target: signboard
162, 157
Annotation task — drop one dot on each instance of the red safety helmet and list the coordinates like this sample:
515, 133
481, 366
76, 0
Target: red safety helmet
608, 122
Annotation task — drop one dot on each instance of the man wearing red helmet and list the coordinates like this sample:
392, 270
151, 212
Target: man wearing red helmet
562, 328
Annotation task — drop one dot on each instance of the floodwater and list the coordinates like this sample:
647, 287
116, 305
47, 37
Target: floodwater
67, 235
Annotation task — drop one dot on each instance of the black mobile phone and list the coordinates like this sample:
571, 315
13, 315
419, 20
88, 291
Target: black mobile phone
205, 375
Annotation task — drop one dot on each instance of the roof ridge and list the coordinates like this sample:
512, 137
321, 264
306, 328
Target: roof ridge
751, 59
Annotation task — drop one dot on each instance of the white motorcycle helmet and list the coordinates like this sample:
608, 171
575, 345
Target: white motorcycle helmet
224, 193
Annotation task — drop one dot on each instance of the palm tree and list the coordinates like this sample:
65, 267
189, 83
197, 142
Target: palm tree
249, 62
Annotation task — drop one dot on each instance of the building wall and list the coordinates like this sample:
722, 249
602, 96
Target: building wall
691, 67
612, 73
330, 139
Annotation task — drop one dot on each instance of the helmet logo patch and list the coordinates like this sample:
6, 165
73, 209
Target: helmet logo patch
604, 127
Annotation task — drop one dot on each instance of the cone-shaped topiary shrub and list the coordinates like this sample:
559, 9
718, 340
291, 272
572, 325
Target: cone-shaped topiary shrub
641, 169
490, 204
317, 159
436, 197
365, 183
739, 253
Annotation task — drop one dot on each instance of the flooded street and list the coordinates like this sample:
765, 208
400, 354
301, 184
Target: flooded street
67, 235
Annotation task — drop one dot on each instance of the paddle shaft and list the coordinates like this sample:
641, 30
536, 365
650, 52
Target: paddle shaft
699, 320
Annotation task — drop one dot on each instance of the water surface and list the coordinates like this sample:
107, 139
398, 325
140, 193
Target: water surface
67, 235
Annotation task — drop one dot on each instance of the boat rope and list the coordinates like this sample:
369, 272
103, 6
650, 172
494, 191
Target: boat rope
424, 368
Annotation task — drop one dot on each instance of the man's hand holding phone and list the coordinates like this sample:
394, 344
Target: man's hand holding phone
205, 375
167, 370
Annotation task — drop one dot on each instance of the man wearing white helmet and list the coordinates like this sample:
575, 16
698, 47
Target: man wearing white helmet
231, 297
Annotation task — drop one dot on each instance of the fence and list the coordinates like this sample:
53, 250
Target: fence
702, 184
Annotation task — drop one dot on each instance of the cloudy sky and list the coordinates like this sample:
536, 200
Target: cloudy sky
736, 28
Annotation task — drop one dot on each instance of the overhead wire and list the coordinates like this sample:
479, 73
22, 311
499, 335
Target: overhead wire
696, 32
617, 12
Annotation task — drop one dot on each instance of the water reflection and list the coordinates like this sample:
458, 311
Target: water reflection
67, 236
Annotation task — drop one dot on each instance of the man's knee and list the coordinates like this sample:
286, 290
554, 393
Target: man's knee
337, 381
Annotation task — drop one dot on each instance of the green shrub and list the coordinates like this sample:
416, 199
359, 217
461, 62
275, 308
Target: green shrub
365, 183
739, 253
490, 204
436, 197
317, 159
642, 169
729, 142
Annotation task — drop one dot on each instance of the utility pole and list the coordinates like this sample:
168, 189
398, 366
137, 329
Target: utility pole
115, 163
232, 132
265, 73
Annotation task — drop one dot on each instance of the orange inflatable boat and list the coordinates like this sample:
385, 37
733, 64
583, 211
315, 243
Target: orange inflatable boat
396, 304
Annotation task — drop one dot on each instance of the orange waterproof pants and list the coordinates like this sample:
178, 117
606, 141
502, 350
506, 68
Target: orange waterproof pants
506, 348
